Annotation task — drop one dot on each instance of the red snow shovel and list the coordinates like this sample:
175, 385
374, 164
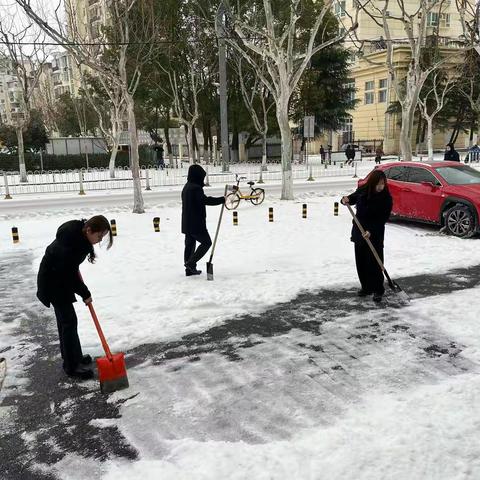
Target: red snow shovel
394, 286
112, 372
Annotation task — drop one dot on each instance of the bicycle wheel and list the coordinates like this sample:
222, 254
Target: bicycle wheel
260, 193
232, 201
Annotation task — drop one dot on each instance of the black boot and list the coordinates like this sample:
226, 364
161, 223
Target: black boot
377, 297
81, 372
86, 360
363, 293
191, 270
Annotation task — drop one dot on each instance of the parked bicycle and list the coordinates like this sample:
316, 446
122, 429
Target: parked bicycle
256, 195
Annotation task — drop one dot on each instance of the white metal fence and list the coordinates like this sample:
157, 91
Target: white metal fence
99, 179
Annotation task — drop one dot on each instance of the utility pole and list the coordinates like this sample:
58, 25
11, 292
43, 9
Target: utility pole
222, 64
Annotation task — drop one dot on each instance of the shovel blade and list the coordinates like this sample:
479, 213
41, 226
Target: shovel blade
112, 373
209, 271
399, 292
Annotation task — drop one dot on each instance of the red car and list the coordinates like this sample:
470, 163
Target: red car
440, 193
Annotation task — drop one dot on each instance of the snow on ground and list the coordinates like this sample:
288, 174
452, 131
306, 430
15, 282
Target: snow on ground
142, 295
185, 422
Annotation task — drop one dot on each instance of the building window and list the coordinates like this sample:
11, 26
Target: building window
445, 20
369, 94
382, 90
432, 19
340, 7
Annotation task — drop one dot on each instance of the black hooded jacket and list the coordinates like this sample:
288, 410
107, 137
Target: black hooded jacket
58, 277
194, 213
451, 154
373, 213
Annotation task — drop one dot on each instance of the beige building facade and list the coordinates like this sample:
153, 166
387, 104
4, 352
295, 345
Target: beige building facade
370, 122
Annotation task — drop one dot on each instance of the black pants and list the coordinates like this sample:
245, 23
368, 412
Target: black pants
192, 256
369, 272
67, 332
378, 160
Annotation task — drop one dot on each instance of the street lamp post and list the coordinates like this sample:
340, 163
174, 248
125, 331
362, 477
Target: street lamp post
222, 65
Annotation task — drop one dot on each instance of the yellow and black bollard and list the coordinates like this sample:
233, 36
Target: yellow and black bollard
335, 209
304, 210
270, 214
15, 237
156, 224
235, 218
113, 224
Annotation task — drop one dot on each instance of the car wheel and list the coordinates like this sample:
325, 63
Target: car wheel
460, 221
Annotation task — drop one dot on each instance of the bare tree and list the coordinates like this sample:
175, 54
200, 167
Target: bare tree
284, 48
432, 103
256, 93
26, 66
121, 48
110, 116
469, 12
407, 84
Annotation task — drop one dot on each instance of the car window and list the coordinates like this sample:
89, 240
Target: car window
461, 175
419, 175
397, 173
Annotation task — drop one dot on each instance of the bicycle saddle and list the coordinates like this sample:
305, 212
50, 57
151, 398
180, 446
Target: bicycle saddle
250, 183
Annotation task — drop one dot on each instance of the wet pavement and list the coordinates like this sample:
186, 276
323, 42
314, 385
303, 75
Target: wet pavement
326, 341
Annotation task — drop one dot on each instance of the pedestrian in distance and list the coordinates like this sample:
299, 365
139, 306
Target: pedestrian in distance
374, 205
59, 280
159, 150
350, 154
194, 215
378, 155
322, 154
329, 154
451, 154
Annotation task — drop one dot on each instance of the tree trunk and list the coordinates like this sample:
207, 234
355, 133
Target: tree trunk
138, 205
166, 133
264, 152
405, 136
191, 154
430, 138
113, 153
286, 136
235, 143
21, 155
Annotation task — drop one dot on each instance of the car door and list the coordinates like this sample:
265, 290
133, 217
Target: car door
422, 201
396, 178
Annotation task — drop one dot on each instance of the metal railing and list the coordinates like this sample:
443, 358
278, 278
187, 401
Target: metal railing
97, 179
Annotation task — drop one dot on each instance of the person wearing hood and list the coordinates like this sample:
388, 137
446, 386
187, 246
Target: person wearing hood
59, 280
451, 154
194, 215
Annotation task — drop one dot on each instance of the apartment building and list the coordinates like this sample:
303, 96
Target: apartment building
370, 121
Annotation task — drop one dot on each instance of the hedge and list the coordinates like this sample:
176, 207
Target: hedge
71, 162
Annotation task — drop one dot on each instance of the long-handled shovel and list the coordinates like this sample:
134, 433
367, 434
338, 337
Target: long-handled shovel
112, 372
209, 263
394, 286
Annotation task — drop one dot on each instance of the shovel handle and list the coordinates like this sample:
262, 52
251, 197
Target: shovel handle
369, 243
218, 226
105, 346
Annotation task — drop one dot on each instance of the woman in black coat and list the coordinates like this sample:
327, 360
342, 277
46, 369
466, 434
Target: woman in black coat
374, 205
194, 218
59, 280
451, 154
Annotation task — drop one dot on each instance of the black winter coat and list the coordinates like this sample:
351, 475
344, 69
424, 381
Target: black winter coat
194, 213
372, 213
58, 277
452, 155
350, 153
